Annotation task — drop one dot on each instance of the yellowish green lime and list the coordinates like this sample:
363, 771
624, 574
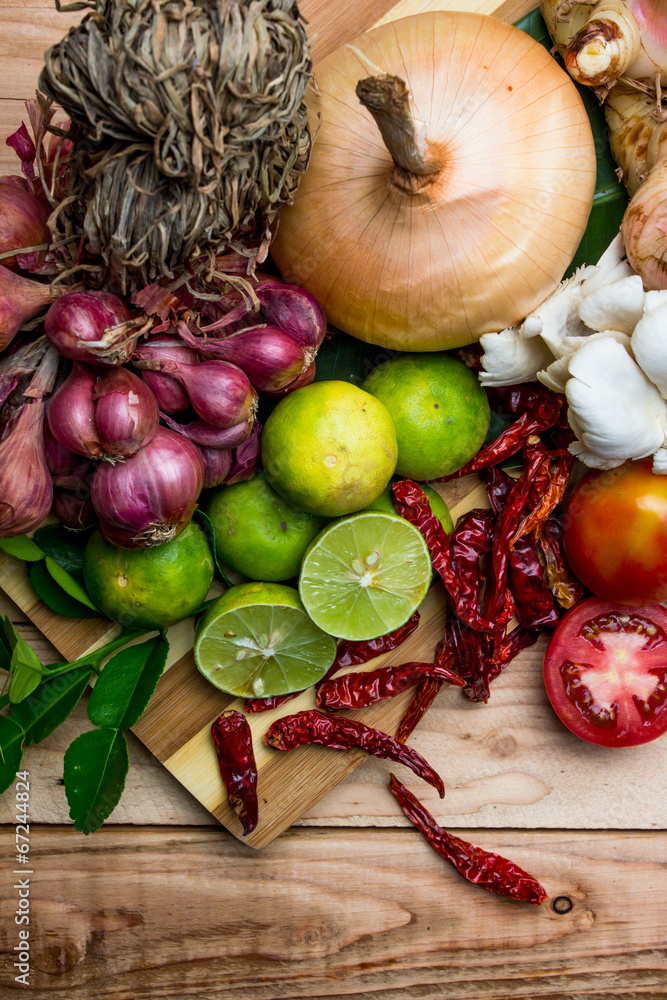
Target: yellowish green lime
329, 448
440, 412
258, 533
385, 504
257, 641
365, 575
149, 588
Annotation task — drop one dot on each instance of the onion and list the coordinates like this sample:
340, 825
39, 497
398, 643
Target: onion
103, 416
217, 464
150, 498
218, 391
295, 311
171, 396
96, 327
246, 457
20, 300
203, 434
270, 357
470, 217
164, 347
74, 511
22, 223
305, 378
59, 459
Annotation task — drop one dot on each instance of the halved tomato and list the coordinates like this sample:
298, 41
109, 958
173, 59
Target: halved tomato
605, 672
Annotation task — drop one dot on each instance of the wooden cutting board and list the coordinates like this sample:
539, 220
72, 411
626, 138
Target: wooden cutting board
176, 725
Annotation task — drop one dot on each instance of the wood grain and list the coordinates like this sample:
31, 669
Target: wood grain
192, 913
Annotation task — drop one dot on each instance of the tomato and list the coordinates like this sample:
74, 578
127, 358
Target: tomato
605, 672
615, 534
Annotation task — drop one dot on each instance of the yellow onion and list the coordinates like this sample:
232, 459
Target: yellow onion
472, 218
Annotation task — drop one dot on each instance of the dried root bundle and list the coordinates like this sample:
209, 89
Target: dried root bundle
190, 126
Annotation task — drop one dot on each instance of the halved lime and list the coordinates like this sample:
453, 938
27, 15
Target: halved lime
365, 575
257, 641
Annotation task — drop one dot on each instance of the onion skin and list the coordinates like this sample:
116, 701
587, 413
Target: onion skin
151, 497
89, 326
246, 457
20, 300
72, 413
22, 222
25, 484
408, 263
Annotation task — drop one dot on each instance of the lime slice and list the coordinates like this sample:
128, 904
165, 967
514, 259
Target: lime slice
257, 641
364, 575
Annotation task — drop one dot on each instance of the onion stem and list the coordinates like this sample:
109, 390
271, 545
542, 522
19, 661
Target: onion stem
388, 100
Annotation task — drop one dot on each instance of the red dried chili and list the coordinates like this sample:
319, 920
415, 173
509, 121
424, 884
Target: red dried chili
421, 701
469, 544
550, 496
350, 654
495, 873
505, 649
560, 579
540, 417
361, 688
533, 601
344, 734
232, 738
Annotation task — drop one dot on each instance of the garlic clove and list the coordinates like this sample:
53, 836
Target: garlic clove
616, 306
649, 344
509, 358
618, 413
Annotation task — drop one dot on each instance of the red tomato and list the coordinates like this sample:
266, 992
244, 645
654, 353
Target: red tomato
615, 534
605, 672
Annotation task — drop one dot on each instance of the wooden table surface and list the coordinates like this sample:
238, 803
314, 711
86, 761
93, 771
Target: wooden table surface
162, 902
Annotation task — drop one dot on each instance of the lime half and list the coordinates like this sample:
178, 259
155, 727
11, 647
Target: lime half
257, 641
365, 575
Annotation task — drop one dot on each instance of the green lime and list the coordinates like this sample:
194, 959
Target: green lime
257, 641
258, 533
329, 448
149, 588
440, 412
365, 575
385, 504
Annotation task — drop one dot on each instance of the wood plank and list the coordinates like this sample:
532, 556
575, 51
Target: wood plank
192, 914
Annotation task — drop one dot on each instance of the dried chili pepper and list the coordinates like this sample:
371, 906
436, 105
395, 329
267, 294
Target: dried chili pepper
514, 400
540, 417
233, 744
481, 867
507, 648
498, 484
344, 734
533, 601
472, 651
421, 701
469, 544
560, 579
350, 654
361, 688
550, 496
412, 503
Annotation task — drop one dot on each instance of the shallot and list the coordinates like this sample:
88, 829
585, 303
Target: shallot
217, 465
295, 311
171, 396
22, 225
150, 498
96, 327
206, 436
73, 510
20, 300
103, 416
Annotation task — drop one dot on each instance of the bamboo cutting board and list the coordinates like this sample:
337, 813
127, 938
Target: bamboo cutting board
176, 725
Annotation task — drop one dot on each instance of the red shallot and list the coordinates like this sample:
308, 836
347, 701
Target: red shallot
96, 327
22, 224
295, 311
151, 497
246, 457
219, 392
20, 299
171, 396
73, 510
217, 465
206, 436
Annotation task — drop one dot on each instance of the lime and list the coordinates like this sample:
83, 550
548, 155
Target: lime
440, 412
258, 533
365, 575
329, 448
385, 504
149, 588
257, 641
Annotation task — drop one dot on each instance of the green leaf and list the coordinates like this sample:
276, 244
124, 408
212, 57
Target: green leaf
25, 669
5, 653
21, 547
127, 683
69, 584
96, 765
206, 525
64, 546
50, 704
53, 595
11, 751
